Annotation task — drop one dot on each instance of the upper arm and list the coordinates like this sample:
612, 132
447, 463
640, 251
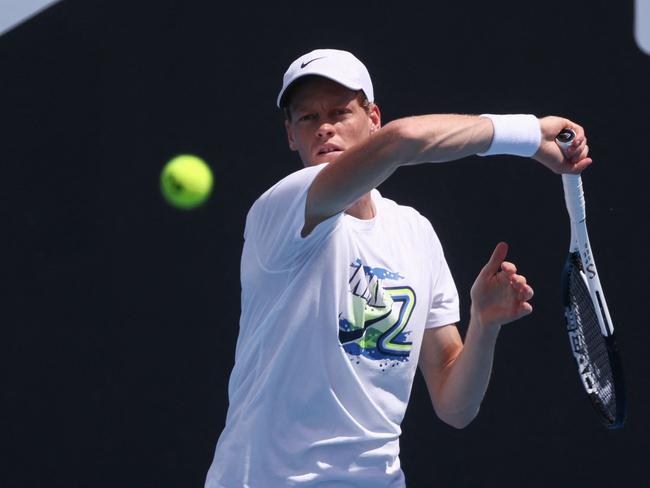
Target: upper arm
440, 347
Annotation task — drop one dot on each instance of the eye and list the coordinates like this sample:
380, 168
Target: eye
341, 111
307, 117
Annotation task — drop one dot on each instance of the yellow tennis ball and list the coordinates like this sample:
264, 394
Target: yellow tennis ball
186, 181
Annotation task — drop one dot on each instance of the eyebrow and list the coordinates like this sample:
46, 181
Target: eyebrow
342, 101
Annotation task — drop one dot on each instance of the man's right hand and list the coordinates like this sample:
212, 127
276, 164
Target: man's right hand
549, 153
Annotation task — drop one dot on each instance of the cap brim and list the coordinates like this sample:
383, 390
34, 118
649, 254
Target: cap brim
346, 83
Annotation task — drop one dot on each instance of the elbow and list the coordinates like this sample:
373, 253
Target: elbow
407, 140
459, 423
458, 420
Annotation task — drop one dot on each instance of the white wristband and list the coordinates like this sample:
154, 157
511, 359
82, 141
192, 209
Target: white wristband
518, 134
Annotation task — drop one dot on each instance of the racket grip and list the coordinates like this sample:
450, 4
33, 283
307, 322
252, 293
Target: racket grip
574, 197
573, 194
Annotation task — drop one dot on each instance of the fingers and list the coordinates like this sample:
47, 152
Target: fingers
576, 150
518, 281
496, 260
507, 273
578, 129
523, 292
525, 309
577, 155
578, 167
508, 268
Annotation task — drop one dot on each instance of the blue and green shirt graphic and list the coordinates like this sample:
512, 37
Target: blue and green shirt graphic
374, 326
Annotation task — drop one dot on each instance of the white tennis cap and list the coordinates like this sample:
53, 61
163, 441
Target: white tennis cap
340, 66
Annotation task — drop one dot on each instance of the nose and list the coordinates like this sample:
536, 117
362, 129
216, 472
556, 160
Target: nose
325, 130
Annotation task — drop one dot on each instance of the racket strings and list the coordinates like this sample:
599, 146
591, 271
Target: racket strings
589, 347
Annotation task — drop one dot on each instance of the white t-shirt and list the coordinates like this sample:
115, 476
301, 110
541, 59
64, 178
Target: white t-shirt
329, 339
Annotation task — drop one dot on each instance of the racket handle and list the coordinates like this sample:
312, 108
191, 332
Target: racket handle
565, 138
573, 194
574, 197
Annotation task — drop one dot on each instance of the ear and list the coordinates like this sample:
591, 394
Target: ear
292, 144
375, 117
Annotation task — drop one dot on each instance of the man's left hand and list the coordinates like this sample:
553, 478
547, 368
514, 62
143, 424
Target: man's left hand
499, 294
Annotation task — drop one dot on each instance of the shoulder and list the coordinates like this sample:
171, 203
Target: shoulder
405, 216
292, 183
287, 190
279, 213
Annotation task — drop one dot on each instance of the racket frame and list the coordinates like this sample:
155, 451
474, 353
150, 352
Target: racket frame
575, 202
580, 249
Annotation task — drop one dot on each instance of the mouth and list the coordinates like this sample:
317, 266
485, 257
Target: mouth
327, 150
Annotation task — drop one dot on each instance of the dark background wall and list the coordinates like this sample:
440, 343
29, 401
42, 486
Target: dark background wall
120, 313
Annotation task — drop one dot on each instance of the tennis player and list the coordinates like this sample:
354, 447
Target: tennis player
344, 291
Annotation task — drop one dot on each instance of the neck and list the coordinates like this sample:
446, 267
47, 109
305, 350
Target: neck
363, 208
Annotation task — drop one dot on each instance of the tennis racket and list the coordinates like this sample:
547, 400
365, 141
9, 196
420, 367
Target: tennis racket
590, 327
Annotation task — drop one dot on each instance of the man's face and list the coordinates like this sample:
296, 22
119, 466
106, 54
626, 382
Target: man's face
326, 120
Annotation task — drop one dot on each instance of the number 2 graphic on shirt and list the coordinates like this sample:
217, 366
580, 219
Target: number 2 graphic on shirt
403, 303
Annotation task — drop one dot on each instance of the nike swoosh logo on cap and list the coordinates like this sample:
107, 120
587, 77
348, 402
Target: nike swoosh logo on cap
302, 65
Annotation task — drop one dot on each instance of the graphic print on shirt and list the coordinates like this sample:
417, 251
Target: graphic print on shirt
375, 322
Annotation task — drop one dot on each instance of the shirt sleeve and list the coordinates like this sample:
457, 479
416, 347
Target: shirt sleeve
275, 221
444, 308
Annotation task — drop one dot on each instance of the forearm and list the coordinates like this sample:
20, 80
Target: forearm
415, 140
466, 378
412, 140
445, 137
